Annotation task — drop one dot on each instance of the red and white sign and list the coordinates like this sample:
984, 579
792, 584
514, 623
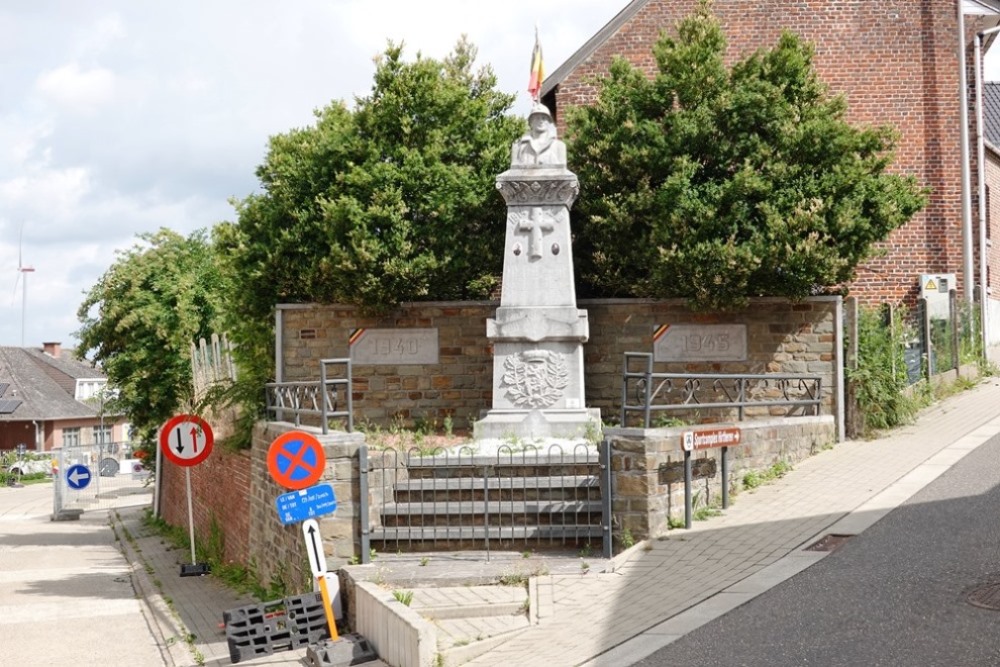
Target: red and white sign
710, 439
186, 440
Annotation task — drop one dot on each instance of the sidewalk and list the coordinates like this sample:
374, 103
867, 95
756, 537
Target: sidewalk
658, 590
186, 612
662, 589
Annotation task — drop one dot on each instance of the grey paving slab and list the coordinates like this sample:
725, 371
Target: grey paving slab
67, 596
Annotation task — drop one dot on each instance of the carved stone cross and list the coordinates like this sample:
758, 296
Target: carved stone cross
536, 224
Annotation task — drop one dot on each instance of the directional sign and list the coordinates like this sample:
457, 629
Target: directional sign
709, 439
314, 546
78, 476
296, 460
304, 504
186, 440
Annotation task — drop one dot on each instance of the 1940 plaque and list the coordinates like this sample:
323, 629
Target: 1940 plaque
700, 342
381, 347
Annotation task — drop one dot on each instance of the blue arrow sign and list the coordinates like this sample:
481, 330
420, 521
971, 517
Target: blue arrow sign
298, 506
78, 476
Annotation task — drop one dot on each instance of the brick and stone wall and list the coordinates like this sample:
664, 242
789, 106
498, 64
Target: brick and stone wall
782, 337
894, 61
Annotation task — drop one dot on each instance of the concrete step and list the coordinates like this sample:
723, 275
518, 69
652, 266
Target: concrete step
471, 620
448, 602
531, 508
471, 533
500, 483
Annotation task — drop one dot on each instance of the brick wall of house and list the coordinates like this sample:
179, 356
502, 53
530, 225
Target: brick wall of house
783, 338
895, 62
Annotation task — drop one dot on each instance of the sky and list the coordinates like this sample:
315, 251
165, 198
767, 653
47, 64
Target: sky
120, 117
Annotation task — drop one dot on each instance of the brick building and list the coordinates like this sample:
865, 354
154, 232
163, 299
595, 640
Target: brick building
896, 62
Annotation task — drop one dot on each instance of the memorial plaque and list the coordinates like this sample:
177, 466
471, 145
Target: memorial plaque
700, 342
394, 347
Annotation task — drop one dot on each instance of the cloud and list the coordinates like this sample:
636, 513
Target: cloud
76, 90
118, 118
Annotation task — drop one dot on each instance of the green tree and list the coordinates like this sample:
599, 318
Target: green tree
388, 202
140, 318
718, 183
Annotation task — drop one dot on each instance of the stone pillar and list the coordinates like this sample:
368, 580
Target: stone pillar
538, 332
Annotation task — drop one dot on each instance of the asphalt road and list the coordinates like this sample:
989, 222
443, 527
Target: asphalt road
896, 594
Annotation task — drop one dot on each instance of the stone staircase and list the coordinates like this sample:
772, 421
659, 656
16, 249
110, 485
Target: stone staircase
471, 620
529, 501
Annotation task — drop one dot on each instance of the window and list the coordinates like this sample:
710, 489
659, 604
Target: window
71, 437
103, 437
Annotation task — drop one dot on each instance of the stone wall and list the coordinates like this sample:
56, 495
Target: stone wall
645, 463
279, 552
783, 337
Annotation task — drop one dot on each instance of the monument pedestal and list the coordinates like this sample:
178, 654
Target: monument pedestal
538, 332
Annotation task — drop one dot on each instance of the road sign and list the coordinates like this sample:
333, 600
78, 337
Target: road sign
296, 460
78, 476
304, 504
186, 440
314, 546
709, 439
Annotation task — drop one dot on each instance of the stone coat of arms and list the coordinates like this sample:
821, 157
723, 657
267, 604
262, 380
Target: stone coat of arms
535, 378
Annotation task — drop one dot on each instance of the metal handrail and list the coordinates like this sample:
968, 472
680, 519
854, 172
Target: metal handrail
734, 386
314, 397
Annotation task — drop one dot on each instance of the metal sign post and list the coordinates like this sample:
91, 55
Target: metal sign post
187, 441
723, 438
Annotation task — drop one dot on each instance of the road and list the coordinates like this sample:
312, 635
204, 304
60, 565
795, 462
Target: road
896, 594
66, 597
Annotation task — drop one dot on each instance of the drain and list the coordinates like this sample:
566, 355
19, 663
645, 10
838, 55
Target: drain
830, 542
986, 596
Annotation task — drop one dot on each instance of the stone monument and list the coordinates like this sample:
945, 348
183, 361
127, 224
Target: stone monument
538, 332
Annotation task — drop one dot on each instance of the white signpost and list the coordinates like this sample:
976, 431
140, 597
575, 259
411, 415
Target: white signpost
317, 563
314, 547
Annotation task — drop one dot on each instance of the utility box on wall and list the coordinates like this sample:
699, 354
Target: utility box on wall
935, 287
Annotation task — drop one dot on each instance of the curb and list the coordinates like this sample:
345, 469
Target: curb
160, 617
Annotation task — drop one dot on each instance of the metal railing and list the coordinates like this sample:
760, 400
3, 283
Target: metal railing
712, 391
327, 398
453, 500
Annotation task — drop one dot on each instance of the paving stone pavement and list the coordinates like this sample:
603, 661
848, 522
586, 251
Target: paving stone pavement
188, 610
648, 596
663, 588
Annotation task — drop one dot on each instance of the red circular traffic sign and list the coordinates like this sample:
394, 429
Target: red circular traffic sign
186, 440
296, 460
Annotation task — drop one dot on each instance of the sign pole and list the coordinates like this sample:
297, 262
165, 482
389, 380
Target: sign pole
687, 490
187, 480
725, 478
328, 608
317, 563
